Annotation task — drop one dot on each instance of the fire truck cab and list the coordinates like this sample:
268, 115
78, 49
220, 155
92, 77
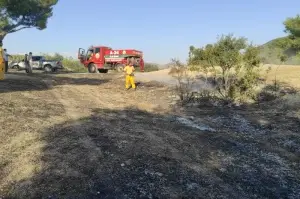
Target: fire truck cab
103, 58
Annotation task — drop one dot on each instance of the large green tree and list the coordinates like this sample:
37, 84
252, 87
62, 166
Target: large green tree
292, 28
16, 15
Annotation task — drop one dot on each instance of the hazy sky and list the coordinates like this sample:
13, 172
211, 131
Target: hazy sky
162, 29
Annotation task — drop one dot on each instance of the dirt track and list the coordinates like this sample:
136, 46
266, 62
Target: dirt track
84, 136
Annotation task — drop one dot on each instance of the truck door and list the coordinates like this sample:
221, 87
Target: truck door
98, 57
41, 62
89, 54
35, 62
81, 52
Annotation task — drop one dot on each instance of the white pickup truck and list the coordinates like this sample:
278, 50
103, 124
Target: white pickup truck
39, 63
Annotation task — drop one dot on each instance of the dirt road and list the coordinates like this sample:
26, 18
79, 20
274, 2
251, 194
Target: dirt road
84, 136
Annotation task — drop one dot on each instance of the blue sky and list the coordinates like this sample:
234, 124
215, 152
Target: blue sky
162, 29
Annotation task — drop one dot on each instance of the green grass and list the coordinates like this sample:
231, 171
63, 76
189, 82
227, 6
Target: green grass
73, 65
149, 67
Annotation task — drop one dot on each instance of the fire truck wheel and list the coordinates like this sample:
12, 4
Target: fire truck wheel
120, 68
92, 68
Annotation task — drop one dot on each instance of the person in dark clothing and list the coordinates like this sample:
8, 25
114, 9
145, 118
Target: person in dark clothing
5, 57
2, 63
27, 60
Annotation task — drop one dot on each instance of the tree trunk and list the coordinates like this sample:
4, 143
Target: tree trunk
2, 35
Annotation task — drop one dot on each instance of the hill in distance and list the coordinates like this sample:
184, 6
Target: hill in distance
270, 50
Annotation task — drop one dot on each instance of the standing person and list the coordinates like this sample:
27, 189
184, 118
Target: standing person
5, 57
129, 81
2, 63
28, 62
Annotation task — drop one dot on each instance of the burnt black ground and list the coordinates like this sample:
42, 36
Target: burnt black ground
108, 151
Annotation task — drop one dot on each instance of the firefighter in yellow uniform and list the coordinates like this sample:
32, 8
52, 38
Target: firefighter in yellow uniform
129, 69
2, 62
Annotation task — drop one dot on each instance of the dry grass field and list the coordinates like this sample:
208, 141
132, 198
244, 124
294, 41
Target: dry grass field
288, 74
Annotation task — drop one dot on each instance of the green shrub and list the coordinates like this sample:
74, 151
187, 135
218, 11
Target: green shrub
233, 64
17, 58
69, 63
73, 65
149, 67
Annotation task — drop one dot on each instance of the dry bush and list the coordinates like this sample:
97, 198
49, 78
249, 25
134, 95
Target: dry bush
291, 101
185, 81
278, 90
289, 104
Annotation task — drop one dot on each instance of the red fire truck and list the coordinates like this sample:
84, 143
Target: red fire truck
103, 58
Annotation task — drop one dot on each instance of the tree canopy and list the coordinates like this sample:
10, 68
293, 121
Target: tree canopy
292, 28
20, 14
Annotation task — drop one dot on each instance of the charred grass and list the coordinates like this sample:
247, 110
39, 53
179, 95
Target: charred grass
75, 138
